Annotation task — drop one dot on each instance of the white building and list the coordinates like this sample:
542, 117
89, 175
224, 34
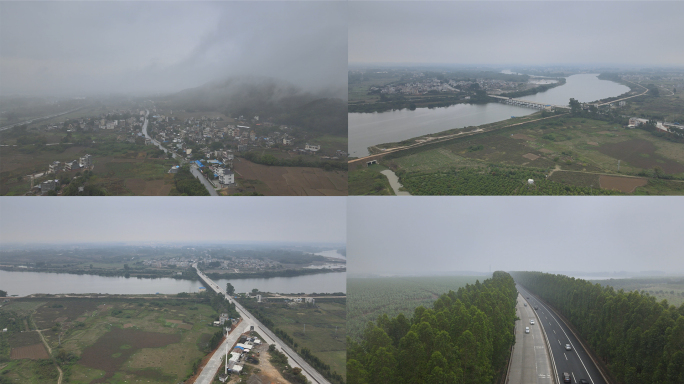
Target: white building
312, 148
55, 167
287, 141
227, 178
86, 161
47, 185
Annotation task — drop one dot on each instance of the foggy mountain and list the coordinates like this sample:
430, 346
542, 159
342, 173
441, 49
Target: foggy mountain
267, 97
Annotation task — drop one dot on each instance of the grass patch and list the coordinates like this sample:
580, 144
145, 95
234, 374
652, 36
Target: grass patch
369, 181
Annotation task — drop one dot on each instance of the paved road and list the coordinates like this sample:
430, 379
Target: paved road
530, 361
293, 358
433, 140
205, 182
576, 361
394, 183
207, 374
40, 118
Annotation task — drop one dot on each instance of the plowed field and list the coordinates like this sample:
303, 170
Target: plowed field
622, 184
292, 181
35, 351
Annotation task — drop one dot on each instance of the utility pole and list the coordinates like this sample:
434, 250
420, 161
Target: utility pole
618, 165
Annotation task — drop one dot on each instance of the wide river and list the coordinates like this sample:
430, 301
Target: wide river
368, 129
26, 283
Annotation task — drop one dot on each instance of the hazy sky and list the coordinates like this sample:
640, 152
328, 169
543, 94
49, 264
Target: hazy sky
514, 32
173, 219
422, 235
139, 46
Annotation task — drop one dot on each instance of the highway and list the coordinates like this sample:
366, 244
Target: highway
248, 320
576, 362
39, 119
530, 361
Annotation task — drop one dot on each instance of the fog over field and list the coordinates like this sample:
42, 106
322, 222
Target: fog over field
517, 32
83, 48
440, 235
173, 219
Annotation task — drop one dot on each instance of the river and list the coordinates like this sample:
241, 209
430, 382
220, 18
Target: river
583, 88
368, 129
26, 283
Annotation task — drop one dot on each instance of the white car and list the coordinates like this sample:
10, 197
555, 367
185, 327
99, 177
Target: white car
568, 347
527, 329
532, 322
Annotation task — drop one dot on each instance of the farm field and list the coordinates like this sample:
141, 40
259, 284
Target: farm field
96, 340
662, 288
120, 168
578, 151
288, 181
325, 323
368, 298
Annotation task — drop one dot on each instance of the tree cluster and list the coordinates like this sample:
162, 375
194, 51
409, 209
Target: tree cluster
465, 338
187, 185
639, 339
490, 181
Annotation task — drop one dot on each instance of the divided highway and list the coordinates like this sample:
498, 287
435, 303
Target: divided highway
249, 320
530, 362
576, 362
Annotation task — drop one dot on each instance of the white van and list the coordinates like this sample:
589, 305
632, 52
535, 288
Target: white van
527, 329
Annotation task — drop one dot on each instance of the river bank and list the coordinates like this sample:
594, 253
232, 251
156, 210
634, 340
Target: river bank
28, 282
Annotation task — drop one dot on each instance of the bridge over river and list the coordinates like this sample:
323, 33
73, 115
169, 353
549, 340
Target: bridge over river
527, 104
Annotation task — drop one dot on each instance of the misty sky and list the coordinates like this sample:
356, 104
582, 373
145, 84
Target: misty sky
173, 219
79, 48
514, 32
425, 235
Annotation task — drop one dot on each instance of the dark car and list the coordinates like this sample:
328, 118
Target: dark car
566, 378
535, 307
582, 381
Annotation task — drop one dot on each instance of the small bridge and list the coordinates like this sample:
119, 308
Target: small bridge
526, 103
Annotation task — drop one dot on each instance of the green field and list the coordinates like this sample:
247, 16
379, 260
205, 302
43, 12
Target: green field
584, 148
369, 298
662, 288
369, 181
125, 339
325, 326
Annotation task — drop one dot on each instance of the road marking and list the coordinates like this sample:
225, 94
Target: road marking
554, 331
566, 335
566, 356
558, 340
573, 376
